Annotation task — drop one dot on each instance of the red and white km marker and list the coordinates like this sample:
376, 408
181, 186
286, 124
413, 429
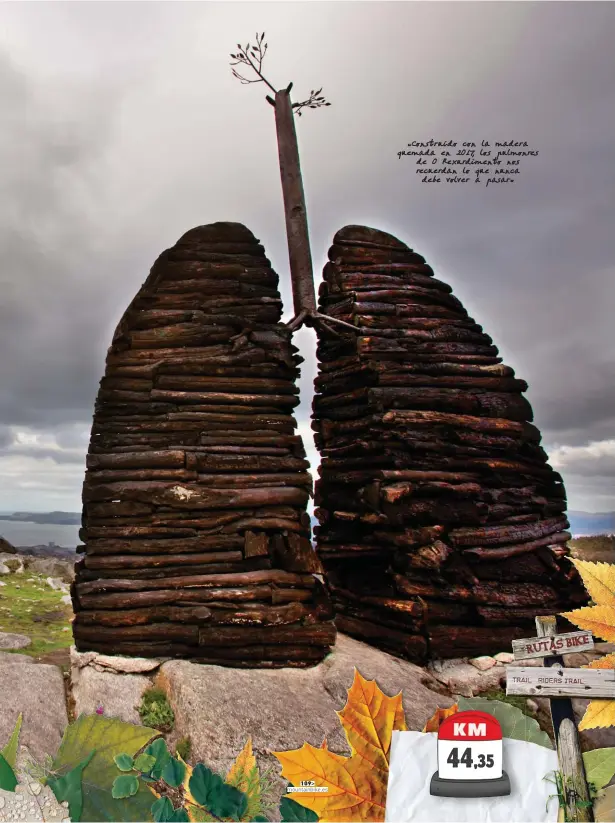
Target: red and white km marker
470, 757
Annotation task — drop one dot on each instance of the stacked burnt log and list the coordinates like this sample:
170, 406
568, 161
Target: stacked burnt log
196, 539
442, 526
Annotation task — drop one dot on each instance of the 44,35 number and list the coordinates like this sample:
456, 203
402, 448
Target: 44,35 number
466, 759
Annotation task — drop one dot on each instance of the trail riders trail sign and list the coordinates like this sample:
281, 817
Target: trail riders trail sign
561, 682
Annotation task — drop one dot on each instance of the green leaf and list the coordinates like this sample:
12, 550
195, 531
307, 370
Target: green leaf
599, 766
293, 812
210, 790
109, 737
124, 762
144, 763
8, 781
158, 749
260, 819
180, 814
125, 785
174, 772
604, 807
70, 787
162, 810
515, 725
9, 752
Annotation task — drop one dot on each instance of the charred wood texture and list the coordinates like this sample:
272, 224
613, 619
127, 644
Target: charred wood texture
196, 540
442, 526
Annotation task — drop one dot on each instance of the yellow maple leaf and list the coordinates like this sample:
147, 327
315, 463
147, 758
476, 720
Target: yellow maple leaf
598, 715
440, 714
606, 662
244, 775
356, 785
599, 580
241, 768
599, 620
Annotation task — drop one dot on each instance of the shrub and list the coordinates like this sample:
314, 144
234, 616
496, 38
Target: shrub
155, 710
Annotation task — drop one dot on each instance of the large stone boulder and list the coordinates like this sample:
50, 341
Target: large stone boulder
8, 640
53, 567
218, 708
37, 691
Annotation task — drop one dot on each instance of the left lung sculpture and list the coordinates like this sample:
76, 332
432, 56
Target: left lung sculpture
196, 539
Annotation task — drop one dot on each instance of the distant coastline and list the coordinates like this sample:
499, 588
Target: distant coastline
51, 518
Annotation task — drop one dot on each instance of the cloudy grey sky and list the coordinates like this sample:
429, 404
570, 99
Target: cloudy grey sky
122, 127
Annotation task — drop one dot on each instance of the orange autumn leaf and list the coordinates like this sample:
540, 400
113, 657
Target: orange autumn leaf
356, 785
369, 718
355, 792
433, 724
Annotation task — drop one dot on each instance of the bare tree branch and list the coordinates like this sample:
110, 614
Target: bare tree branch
314, 101
253, 56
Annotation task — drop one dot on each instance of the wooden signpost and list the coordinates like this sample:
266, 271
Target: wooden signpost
559, 684
529, 647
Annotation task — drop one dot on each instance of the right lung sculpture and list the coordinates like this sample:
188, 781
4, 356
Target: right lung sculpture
442, 525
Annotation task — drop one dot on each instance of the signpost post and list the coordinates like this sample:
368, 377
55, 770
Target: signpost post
559, 684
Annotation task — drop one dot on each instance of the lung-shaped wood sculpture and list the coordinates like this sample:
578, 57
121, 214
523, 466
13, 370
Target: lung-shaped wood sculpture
195, 531
443, 528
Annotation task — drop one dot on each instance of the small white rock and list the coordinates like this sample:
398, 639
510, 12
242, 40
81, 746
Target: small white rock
35, 788
504, 657
532, 705
483, 663
2, 802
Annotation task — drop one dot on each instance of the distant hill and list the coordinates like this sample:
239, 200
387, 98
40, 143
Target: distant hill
587, 523
54, 518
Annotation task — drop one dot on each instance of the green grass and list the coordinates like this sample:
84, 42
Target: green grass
29, 606
599, 548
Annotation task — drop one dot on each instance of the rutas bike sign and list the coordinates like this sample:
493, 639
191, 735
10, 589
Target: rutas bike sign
470, 757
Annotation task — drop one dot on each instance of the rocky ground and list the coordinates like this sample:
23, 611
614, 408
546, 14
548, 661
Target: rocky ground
217, 708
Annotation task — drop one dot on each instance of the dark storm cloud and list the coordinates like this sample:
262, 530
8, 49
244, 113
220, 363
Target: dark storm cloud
48, 319
122, 128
